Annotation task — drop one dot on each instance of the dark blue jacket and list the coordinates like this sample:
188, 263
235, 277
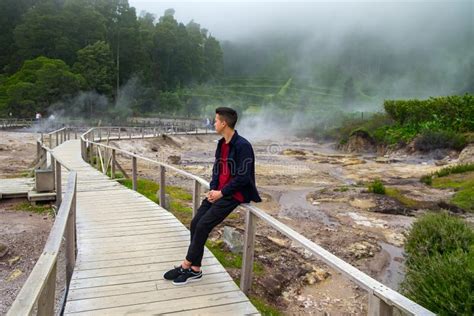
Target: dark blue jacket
241, 162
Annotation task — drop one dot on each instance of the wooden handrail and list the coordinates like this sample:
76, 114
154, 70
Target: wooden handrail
382, 299
39, 288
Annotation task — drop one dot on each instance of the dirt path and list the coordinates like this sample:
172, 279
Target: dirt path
24, 233
17, 152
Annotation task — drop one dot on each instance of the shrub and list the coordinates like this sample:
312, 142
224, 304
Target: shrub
443, 284
430, 140
452, 112
446, 171
376, 187
440, 264
437, 234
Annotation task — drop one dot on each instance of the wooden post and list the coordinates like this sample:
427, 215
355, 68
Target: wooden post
108, 135
134, 173
97, 158
82, 150
248, 252
50, 141
196, 197
57, 138
378, 307
162, 186
100, 134
119, 133
71, 240
75, 133
47, 300
143, 132
38, 150
57, 174
53, 168
91, 153
112, 170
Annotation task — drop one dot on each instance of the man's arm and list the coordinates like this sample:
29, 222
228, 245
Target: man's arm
215, 176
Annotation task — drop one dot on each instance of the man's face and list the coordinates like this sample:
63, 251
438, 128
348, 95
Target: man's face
219, 124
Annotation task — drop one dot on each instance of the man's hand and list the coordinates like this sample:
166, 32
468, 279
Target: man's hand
213, 196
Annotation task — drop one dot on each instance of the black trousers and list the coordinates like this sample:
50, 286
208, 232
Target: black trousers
208, 216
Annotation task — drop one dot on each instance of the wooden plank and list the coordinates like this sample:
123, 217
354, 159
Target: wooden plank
131, 277
144, 245
237, 309
167, 294
173, 227
130, 232
134, 265
176, 305
130, 240
145, 286
118, 227
182, 249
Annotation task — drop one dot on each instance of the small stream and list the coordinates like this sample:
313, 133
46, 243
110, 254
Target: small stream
293, 204
393, 274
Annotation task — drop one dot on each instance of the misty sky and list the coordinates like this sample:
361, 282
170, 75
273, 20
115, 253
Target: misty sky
401, 20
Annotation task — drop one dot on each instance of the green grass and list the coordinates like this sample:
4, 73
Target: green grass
229, 259
38, 209
264, 308
341, 189
406, 201
376, 187
463, 183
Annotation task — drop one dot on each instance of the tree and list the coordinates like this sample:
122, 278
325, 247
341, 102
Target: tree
11, 12
37, 85
58, 31
96, 65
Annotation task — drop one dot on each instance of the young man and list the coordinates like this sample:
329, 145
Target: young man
233, 182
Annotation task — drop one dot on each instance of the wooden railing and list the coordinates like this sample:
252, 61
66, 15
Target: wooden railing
382, 299
40, 287
8, 123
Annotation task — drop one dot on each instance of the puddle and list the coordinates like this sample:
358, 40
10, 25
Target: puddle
393, 274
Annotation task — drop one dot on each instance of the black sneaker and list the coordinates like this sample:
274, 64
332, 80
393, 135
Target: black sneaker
188, 275
173, 273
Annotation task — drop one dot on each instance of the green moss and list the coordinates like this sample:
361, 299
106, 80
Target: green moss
406, 201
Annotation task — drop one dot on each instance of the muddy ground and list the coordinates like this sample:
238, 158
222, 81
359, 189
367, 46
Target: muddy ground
313, 188
321, 193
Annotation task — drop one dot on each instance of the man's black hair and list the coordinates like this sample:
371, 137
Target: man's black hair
228, 115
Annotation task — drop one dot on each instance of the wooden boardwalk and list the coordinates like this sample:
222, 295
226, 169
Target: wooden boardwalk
16, 187
125, 244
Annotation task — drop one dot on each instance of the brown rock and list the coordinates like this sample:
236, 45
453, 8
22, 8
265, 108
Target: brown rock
467, 154
3, 249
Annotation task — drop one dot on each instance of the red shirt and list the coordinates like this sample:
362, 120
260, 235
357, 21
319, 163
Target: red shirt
224, 172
